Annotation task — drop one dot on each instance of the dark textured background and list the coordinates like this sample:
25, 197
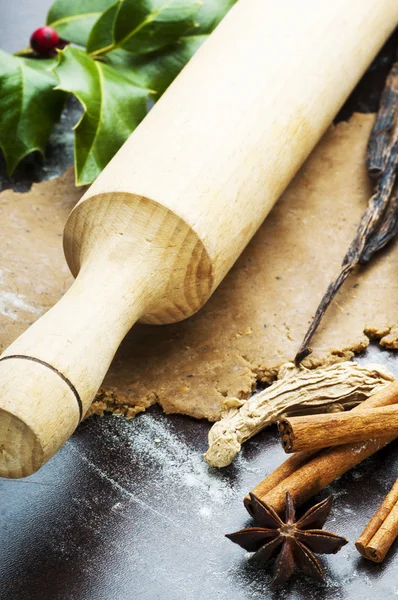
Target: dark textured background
129, 510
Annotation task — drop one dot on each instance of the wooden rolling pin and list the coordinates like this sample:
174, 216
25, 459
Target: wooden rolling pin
162, 225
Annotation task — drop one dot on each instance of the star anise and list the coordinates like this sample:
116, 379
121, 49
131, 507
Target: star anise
296, 541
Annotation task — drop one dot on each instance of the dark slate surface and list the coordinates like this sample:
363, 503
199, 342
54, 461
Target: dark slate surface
129, 510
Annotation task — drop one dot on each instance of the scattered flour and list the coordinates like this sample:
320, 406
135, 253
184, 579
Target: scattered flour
152, 440
205, 512
168, 462
10, 304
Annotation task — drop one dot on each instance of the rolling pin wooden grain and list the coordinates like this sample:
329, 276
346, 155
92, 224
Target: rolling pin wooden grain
162, 225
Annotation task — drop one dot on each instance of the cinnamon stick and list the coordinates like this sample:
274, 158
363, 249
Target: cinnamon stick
381, 531
316, 471
287, 468
320, 431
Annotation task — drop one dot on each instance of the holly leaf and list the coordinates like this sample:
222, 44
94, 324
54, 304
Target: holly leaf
29, 107
113, 107
142, 26
144, 51
101, 36
159, 69
74, 19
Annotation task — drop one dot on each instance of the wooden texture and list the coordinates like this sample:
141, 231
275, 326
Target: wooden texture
321, 431
252, 324
309, 472
162, 225
381, 531
241, 128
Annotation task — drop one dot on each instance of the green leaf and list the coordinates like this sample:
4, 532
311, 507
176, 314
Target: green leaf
158, 70
73, 19
29, 106
143, 26
101, 35
113, 107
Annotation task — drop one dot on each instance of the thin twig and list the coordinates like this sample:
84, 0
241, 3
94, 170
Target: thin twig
379, 223
382, 128
334, 286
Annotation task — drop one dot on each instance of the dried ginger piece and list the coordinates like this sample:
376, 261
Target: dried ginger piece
297, 391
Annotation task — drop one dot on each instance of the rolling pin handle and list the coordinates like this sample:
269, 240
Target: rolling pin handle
49, 376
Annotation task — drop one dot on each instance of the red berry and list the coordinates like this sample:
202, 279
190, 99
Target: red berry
44, 41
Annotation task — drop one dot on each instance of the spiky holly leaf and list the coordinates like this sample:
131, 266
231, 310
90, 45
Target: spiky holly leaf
74, 19
29, 107
113, 107
113, 91
142, 26
158, 70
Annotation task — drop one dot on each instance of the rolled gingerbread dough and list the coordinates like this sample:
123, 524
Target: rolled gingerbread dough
256, 319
